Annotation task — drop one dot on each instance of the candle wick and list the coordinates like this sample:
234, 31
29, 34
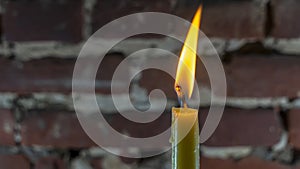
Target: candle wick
181, 96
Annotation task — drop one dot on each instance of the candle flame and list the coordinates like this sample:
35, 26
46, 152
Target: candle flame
185, 75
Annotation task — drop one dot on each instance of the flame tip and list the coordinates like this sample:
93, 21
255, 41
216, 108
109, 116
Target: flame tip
199, 8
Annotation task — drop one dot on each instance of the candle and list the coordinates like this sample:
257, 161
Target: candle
185, 129
185, 138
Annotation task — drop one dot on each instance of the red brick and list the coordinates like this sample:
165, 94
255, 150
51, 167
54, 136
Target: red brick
297, 166
51, 75
6, 127
109, 65
129, 160
61, 129
106, 11
247, 163
157, 79
37, 75
57, 129
13, 162
1, 26
229, 19
141, 130
235, 128
50, 163
238, 127
263, 76
285, 16
294, 127
96, 163
43, 20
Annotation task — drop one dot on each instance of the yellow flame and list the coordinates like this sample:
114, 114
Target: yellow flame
185, 75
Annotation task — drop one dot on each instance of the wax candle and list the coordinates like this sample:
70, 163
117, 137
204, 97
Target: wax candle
185, 138
185, 129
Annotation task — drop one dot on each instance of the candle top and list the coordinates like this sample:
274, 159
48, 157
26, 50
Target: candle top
184, 110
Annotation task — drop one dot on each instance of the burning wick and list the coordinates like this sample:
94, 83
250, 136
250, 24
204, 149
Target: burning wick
181, 96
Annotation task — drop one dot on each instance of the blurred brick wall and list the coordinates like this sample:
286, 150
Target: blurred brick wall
259, 42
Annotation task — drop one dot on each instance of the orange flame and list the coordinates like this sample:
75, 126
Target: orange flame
185, 75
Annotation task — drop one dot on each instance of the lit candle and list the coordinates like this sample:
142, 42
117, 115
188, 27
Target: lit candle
185, 129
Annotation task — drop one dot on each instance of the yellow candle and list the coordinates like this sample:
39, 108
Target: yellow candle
185, 129
185, 138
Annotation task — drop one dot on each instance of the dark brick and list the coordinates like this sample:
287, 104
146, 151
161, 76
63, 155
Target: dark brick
106, 11
36, 75
1, 26
13, 162
259, 127
129, 160
294, 127
286, 21
51, 75
50, 163
62, 129
96, 163
263, 76
57, 129
6, 127
43, 20
157, 79
247, 163
228, 19
141, 130
297, 166
109, 65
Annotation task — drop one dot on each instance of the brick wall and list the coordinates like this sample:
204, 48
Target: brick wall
258, 41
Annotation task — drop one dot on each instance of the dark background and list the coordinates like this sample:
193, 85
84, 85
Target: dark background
258, 42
